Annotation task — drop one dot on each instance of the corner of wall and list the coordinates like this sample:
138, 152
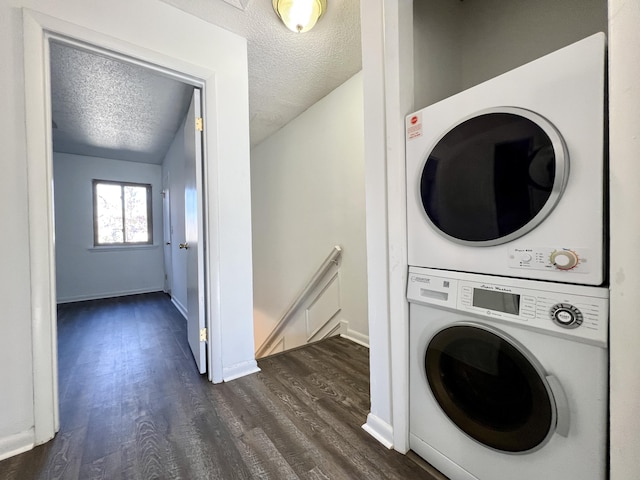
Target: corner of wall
356, 337
239, 370
380, 430
16, 444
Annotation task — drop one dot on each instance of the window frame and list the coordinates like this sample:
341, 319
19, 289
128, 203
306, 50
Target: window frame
96, 243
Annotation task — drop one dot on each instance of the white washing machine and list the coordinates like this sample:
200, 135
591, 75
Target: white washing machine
507, 178
508, 378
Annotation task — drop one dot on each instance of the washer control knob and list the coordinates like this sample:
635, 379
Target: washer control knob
564, 259
566, 315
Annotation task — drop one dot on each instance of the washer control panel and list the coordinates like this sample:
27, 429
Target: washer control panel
579, 312
566, 315
550, 259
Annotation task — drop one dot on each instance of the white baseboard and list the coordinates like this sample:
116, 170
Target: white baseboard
239, 370
16, 444
380, 430
100, 296
356, 337
181, 308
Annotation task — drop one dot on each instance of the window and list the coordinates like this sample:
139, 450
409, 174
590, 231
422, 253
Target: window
121, 213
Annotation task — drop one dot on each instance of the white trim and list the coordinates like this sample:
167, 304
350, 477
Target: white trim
240, 4
388, 88
277, 348
356, 337
121, 248
372, 29
398, 71
329, 263
41, 231
624, 151
240, 370
323, 332
380, 430
180, 307
16, 444
101, 296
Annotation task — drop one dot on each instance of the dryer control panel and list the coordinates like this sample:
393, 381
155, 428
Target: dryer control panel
559, 259
575, 311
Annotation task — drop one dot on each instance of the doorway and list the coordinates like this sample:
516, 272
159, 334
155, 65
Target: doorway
207, 55
118, 126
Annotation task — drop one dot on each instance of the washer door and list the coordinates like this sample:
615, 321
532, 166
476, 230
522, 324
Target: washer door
494, 177
490, 388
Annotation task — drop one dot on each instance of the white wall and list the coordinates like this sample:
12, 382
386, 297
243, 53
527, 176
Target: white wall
307, 196
16, 367
161, 34
460, 44
624, 129
82, 271
174, 165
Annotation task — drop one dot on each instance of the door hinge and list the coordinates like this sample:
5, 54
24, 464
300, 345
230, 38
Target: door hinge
199, 124
203, 334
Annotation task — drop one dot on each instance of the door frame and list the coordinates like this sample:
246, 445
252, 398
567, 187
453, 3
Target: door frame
38, 28
167, 227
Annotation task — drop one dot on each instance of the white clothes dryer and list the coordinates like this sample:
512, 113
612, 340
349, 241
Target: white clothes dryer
507, 178
508, 377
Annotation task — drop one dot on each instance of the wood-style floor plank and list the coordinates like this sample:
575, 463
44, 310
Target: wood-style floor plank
133, 406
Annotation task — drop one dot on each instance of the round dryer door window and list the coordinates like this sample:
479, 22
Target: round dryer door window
491, 389
494, 177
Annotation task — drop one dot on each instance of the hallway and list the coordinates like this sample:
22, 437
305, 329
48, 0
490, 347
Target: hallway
133, 406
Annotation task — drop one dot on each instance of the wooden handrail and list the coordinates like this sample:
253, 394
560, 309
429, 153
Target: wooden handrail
333, 257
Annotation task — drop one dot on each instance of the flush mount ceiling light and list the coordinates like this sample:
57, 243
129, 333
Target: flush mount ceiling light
299, 15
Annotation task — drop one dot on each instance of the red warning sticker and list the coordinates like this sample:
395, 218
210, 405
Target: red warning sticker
414, 126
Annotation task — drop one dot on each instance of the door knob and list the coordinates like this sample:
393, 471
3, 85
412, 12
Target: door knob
184, 245
168, 243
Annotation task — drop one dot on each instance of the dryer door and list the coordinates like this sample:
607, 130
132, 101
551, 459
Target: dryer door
493, 177
490, 387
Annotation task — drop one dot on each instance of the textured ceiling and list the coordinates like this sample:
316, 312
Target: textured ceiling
288, 72
106, 108
103, 107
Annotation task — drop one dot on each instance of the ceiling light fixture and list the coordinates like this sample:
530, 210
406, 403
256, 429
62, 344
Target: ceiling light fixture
299, 15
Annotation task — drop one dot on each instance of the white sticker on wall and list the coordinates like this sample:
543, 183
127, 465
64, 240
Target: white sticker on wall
414, 126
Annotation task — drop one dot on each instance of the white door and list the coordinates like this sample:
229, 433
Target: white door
193, 220
167, 231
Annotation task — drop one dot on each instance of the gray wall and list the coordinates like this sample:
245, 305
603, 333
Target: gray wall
82, 271
460, 44
174, 166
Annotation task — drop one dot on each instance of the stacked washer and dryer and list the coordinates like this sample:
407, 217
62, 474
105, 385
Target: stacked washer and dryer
506, 246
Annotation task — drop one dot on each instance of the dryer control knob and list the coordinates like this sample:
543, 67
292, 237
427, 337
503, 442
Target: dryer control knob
566, 315
564, 259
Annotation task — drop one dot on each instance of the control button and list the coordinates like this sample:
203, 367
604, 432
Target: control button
564, 259
566, 315
525, 257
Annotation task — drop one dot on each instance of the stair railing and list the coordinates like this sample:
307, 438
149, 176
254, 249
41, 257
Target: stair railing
332, 259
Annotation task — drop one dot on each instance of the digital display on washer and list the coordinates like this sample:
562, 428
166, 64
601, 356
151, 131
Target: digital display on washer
499, 301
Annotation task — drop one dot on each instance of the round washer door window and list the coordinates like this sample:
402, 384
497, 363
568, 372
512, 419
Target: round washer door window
494, 177
489, 388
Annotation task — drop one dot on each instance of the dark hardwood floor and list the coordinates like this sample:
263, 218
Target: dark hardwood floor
133, 406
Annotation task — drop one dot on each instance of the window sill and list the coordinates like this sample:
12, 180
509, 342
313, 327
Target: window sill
121, 248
